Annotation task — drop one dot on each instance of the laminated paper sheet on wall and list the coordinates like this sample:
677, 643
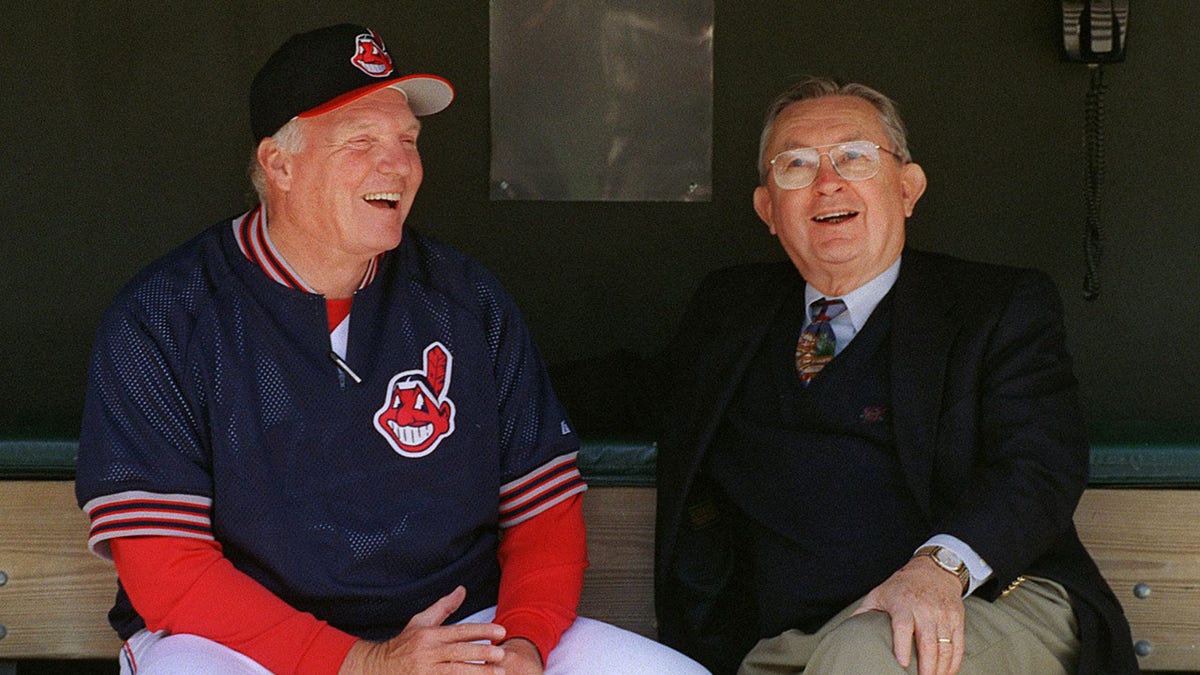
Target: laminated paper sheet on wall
601, 100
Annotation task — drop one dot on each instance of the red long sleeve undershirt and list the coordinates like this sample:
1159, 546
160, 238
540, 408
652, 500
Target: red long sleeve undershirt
188, 586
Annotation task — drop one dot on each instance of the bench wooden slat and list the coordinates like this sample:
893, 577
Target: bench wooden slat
618, 586
57, 595
1150, 537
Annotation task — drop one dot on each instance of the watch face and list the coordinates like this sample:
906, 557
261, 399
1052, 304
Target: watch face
949, 558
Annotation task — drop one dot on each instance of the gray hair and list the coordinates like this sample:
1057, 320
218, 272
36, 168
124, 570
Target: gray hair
290, 138
816, 87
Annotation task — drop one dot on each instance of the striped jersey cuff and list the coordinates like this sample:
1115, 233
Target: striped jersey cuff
540, 489
137, 513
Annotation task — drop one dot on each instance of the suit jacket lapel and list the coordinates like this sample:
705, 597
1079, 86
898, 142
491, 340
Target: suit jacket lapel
923, 329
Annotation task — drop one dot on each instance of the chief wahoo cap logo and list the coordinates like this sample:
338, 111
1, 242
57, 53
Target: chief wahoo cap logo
370, 56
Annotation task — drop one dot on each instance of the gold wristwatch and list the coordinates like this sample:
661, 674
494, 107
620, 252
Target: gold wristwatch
949, 561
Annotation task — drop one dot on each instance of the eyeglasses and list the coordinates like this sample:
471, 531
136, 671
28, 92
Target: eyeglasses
853, 160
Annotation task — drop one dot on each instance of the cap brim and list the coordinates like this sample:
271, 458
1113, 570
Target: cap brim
426, 94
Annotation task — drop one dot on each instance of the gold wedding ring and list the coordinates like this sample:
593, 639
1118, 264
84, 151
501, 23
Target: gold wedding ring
945, 640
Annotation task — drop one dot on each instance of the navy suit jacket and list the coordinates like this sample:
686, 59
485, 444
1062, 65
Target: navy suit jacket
987, 427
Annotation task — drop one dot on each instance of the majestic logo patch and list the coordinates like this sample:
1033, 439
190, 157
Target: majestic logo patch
416, 413
371, 57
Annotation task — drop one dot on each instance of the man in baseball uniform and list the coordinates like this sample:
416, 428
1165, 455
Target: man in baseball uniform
315, 441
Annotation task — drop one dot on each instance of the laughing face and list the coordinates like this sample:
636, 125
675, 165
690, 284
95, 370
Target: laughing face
346, 191
840, 234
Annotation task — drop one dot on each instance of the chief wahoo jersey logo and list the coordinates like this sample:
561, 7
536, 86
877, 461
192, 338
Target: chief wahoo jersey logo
416, 413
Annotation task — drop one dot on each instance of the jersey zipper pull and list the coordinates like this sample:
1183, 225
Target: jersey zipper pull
345, 367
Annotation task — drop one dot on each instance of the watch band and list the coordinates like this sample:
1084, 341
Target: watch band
960, 570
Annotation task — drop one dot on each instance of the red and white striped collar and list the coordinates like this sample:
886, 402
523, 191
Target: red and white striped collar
250, 231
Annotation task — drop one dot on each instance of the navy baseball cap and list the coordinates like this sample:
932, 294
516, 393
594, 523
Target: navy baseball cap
326, 68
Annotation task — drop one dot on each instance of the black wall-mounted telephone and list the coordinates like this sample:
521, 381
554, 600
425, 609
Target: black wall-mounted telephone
1094, 30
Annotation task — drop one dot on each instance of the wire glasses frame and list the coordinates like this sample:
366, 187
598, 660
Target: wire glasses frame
853, 160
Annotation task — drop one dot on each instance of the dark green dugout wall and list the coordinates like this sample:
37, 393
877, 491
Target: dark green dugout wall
124, 133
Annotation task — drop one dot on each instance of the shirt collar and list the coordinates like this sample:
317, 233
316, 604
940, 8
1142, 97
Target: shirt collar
250, 231
860, 302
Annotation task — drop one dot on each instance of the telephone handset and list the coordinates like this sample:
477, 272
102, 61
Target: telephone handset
1094, 30
1094, 33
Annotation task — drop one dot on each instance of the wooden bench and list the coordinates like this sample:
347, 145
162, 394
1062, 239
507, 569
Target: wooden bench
54, 595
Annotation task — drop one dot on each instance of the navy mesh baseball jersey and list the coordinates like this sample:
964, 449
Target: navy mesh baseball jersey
214, 410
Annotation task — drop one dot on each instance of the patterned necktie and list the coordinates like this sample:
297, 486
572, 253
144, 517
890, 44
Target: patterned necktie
817, 342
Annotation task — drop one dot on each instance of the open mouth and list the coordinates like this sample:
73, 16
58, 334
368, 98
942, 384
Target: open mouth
835, 217
383, 200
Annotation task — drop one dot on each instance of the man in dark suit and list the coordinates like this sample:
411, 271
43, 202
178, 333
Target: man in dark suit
873, 454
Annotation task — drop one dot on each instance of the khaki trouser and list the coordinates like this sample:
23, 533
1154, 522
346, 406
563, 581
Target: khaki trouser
1030, 630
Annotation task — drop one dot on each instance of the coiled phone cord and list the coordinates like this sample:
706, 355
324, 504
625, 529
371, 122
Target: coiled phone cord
1093, 131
